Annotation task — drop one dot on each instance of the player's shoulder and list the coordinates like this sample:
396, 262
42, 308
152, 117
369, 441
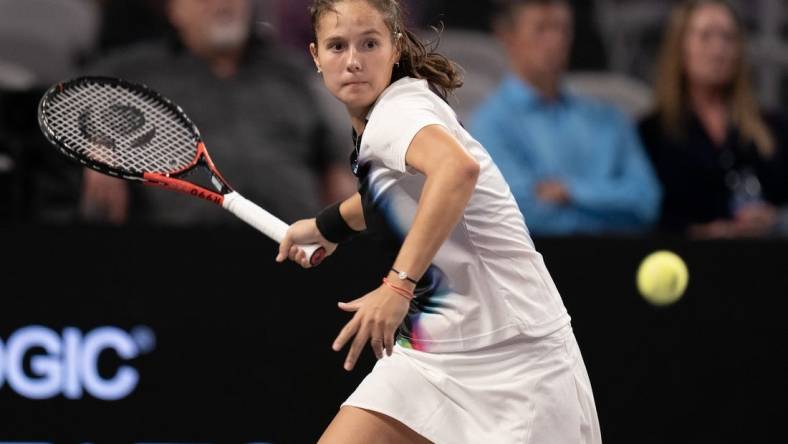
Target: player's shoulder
406, 96
408, 90
401, 102
406, 104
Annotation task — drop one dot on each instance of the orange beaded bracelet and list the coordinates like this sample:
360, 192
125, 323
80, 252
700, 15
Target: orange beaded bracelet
407, 294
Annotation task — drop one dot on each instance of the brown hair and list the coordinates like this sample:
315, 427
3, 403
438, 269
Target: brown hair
672, 90
416, 60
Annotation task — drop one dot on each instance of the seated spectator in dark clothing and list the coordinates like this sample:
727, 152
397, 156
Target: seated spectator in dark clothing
126, 22
720, 159
253, 105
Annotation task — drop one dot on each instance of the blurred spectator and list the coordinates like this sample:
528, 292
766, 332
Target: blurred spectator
255, 111
41, 42
575, 165
477, 15
721, 161
125, 22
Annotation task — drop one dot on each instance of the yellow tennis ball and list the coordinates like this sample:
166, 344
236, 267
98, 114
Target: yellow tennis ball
662, 277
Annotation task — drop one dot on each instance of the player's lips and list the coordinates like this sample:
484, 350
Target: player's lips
354, 83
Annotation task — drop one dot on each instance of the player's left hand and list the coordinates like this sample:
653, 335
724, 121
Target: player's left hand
377, 316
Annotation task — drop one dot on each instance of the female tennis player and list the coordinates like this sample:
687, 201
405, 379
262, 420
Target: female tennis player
484, 350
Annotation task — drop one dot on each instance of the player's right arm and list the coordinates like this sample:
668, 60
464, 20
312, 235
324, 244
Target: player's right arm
305, 231
353, 213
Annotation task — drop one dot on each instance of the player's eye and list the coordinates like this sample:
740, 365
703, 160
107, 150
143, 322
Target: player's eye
370, 44
336, 46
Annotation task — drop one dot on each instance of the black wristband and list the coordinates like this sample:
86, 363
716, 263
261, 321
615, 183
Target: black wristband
332, 226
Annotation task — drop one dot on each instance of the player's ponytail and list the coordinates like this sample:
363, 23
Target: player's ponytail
417, 59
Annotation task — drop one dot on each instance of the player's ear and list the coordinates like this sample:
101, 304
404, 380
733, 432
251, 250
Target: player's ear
313, 52
399, 44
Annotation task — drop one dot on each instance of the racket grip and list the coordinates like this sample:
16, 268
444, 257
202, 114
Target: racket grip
268, 224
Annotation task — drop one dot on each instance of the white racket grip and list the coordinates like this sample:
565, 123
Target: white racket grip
266, 223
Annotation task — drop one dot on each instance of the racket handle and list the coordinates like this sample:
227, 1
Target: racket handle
268, 224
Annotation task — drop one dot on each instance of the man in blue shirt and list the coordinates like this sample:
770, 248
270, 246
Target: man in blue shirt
575, 165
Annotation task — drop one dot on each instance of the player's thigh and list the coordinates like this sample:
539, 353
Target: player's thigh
358, 426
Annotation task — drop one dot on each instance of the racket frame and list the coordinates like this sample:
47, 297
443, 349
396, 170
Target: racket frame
173, 180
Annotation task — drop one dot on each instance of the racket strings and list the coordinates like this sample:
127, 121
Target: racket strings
124, 129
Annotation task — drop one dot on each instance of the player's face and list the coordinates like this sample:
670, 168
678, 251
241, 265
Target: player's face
356, 52
711, 47
212, 25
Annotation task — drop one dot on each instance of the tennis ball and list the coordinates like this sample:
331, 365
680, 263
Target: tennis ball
662, 278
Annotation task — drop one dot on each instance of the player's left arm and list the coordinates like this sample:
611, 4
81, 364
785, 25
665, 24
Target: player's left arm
451, 175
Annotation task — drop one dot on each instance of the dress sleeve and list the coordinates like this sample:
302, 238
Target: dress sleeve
394, 124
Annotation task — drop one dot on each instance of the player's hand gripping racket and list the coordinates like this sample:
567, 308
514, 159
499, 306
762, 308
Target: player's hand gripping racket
129, 131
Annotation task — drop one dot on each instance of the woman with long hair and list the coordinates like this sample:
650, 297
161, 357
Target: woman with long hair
473, 341
719, 158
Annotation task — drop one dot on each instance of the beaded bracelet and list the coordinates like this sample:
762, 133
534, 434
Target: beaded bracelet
407, 294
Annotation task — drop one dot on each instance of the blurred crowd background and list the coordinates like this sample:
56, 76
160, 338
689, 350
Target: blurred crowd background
605, 116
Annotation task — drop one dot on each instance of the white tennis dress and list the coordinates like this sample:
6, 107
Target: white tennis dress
486, 353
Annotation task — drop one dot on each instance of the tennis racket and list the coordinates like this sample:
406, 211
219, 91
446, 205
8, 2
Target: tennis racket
129, 131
